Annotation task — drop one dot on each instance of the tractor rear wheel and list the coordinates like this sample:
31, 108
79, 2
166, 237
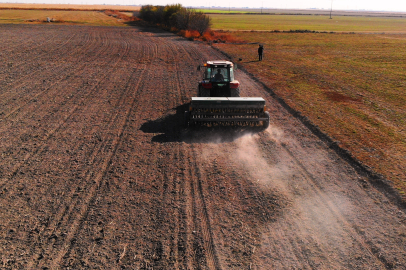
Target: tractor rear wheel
186, 119
235, 92
203, 92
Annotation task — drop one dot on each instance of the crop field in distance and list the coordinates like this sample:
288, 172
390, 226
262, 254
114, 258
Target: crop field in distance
349, 84
249, 22
66, 14
68, 7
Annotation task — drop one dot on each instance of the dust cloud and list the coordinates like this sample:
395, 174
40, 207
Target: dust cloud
264, 168
309, 213
312, 214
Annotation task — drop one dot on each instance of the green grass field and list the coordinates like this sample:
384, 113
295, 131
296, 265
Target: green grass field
224, 11
351, 85
250, 22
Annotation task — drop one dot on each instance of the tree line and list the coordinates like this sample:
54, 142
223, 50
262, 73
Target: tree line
176, 17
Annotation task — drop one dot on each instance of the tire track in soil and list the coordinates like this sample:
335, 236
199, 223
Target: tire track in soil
13, 50
51, 134
72, 69
321, 198
40, 148
180, 245
64, 214
294, 244
184, 236
202, 250
97, 180
78, 96
183, 243
30, 73
200, 215
141, 106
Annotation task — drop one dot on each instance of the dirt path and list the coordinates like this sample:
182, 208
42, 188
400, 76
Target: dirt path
96, 171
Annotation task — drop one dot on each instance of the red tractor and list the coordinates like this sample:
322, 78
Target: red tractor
219, 103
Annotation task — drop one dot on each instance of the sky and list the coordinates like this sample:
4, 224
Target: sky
373, 5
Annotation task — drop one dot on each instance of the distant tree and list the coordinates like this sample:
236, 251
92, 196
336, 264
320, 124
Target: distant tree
169, 11
182, 18
153, 14
176, 16
199, 22
147, 13
159, 15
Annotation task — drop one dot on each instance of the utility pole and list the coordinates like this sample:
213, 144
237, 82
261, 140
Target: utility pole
331, 9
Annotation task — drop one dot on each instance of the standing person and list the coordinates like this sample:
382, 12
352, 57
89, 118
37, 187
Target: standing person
260, 52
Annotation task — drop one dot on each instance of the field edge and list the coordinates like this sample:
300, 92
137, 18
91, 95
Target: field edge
378, 180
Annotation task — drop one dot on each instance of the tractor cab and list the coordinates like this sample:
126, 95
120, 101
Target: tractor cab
218, 80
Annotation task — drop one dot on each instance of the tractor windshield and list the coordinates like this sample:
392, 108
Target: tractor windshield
217, 74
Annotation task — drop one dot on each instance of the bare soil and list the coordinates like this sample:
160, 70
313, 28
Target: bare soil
97, 172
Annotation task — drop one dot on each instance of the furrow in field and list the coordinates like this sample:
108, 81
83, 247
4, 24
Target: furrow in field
72, 104
27, 42
195, 188
107, 182
320, 199
201, 216
62, 96
330, 195
67, 211
150, 176
97, 180
45, 81
52, 132
23, 66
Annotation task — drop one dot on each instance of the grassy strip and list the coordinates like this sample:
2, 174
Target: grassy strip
248, 22
350, 85
67, 7
94, 18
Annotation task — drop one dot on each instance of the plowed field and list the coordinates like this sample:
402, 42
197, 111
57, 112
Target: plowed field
96, 171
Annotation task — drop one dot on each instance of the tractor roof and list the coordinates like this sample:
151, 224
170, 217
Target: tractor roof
217, 63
